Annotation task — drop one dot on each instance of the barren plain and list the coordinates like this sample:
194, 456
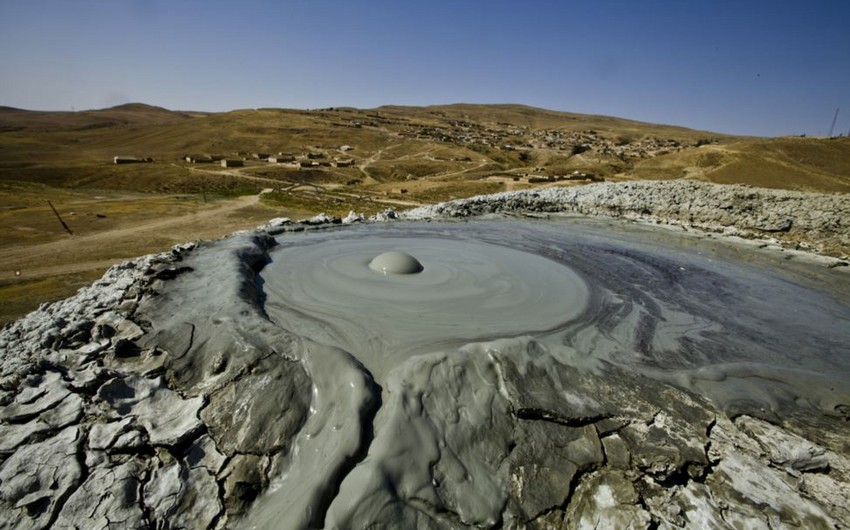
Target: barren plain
327, 160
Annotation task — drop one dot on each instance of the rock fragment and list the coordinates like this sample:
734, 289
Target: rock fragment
167, 417
261, 412
109, 498
784, 449
244, 478
546, 460
607, 499
37, 479
184, 497
44, 392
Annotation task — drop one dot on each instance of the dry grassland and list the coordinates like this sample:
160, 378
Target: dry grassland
402, 156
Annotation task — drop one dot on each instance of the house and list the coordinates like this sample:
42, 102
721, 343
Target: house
308, 163
199, 159
345, 163
281, 159
232, 163
260, 156
130, 160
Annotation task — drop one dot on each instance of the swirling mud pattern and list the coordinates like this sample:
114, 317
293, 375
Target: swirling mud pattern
462, 291
668, 313
447, 318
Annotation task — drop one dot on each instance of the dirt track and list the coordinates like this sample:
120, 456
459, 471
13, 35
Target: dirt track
99, 250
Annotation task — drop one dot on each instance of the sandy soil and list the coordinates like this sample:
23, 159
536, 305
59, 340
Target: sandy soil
94, 253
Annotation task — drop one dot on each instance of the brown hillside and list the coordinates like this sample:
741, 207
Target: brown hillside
332, 160
12, 119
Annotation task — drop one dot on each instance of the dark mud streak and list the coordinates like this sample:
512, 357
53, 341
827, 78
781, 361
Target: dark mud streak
553, 417
367, 434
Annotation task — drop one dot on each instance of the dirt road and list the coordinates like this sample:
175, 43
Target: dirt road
99, 250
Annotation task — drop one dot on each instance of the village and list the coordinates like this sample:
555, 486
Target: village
521, 139
310, 159
422, 158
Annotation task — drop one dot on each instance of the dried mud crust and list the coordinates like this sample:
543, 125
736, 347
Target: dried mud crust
125, 406
812, 221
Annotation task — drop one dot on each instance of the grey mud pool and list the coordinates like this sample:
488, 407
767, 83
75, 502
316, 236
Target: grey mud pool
638, 299
427, 374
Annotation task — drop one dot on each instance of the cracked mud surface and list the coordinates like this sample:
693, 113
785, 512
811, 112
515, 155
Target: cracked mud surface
697, 384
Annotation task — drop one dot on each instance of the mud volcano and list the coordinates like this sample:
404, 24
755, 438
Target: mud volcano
496, 343
483, 374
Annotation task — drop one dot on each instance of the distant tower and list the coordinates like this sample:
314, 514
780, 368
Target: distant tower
834, 119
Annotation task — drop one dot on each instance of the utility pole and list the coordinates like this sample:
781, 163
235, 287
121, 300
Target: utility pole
834, 119
60, 218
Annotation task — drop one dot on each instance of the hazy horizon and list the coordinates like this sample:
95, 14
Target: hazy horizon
756, 68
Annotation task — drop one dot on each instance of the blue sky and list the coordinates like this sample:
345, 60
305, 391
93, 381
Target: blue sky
764, 68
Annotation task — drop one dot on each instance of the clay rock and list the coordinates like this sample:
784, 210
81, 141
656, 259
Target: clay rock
730, 209
204, 454
457, 453
44, 392
182, 498
166, 416
261, 412
109, 498
68, 411
546, 460
353, 217
537, 389
759, 493
45, 404
607, 499
37, 478
104, 435
784, 449
11, 436
244, 478
116, 328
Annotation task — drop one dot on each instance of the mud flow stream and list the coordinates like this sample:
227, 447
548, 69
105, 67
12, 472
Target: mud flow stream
453, 320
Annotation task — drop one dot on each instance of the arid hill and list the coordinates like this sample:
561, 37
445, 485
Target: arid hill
434, 149
325, 160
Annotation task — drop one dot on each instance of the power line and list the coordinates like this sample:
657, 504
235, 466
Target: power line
834, 119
